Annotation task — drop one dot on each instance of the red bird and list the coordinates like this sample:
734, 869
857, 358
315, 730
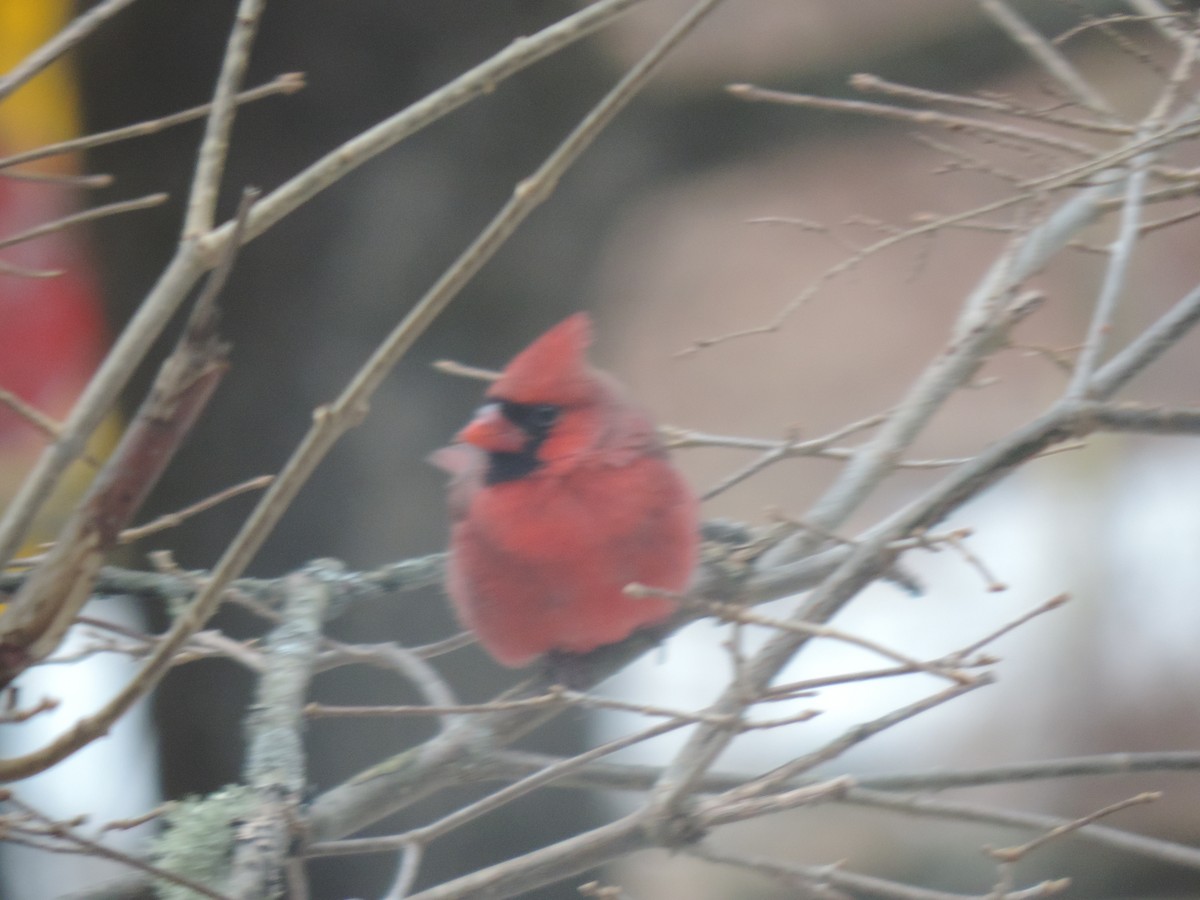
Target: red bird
562, 495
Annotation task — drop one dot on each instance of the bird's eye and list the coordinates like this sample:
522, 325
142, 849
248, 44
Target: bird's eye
544, 415
534, 418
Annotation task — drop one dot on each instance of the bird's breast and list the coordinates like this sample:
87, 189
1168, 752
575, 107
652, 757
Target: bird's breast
568, 512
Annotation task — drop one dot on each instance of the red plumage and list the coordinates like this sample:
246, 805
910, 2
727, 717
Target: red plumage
562, 495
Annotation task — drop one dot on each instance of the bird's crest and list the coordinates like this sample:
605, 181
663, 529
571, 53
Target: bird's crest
553, 369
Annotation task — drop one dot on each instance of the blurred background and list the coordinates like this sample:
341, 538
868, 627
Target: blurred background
651, 232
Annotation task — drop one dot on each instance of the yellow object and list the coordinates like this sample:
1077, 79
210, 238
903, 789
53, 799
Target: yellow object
44, 110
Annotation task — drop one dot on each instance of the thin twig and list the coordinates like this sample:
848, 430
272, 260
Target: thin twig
88, 215
1045, 54
1160, 17
950, 122
481, 807
867, 82
404, 661
66, 833
288, 83
1052, 604
522, 874
851, 737
1100, 765
406, 874
553, 698
214, 146
732, 612
461, 370
7, 268
991, 582
67, 179
178, 517
1015, 854
816, 881
510, 764
775, 451
725, 809
1121, 251
1152, 848
31, 414
1145, 348
1042, 243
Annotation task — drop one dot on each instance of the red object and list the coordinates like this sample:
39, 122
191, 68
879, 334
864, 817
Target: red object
562, 495
52, 330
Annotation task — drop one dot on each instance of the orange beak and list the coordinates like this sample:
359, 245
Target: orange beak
491, 431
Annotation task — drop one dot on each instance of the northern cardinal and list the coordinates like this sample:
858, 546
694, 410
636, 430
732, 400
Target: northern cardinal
562, 495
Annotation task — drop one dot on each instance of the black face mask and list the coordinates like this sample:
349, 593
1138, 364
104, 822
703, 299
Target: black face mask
535, 420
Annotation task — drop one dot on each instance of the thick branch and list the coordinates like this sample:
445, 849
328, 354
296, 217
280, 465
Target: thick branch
52, 596
185, 381
275, 763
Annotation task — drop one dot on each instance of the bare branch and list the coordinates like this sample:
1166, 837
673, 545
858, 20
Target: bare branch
835, 748
177, 518
949, 122
827, 881
1015, 854
275, 759
288, 83
873, 83
510, 764
544, 776
1166, 851
214, 147
1047, 56
472, 84
88, 215
1146, 347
